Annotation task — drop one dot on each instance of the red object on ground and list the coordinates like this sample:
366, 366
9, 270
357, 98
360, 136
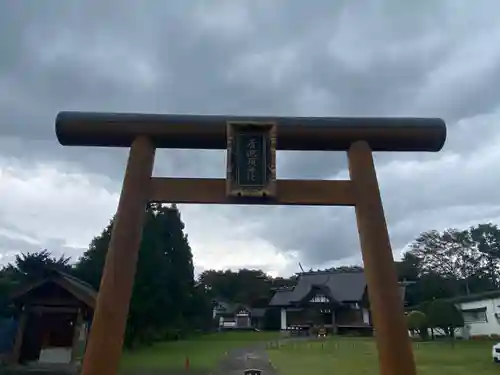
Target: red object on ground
186, 364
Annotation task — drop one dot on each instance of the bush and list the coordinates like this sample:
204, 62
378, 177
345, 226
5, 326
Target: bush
445, 316
418, 322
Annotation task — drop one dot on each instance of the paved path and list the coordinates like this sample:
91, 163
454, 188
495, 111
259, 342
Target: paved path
236, 361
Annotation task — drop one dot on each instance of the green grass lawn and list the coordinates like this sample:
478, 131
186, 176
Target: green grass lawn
346, 356
359, 357
204, 352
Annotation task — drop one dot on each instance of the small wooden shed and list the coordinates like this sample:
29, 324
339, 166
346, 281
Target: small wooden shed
55, 314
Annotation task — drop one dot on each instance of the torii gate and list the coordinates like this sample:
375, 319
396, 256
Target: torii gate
251, 179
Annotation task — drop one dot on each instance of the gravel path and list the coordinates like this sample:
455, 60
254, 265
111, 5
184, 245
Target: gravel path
236, 361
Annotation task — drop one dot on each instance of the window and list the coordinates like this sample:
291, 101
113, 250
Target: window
475, 315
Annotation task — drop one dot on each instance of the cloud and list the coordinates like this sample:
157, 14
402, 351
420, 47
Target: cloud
43, 207
63, 210
383, 58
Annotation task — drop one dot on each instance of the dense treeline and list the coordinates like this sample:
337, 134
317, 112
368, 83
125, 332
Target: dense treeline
168, 302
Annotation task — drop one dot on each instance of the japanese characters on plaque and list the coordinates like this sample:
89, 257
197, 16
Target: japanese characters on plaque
251, 159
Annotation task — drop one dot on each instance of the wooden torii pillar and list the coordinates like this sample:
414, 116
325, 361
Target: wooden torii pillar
144, 133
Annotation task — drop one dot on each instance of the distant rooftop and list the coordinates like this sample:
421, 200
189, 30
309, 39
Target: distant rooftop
342, 286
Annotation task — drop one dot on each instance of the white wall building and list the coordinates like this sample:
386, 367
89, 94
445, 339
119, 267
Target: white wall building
234, 315
481, 314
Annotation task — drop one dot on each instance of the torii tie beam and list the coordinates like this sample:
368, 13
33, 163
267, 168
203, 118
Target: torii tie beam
143, 133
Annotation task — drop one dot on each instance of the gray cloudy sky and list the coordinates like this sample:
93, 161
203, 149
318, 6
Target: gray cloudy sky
323, 57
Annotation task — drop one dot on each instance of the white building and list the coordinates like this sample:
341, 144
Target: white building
234, 315
481, 314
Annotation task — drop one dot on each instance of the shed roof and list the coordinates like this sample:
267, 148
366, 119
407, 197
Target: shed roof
78, 288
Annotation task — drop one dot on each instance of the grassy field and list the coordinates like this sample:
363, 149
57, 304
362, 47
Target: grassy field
358, 357
204, 352
346, 356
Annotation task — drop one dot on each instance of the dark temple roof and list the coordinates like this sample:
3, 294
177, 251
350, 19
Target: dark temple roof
257, 312
342, 287
281, 298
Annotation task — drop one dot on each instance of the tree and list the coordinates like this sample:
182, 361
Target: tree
7, 285
27, 268
168, 264
199, 311
30, 267
438, 252
445, 316
165, 303
417, 322
90, 265
486, 238
464, 257
451, 263
409, 268
451, 255
431, 286
249, 287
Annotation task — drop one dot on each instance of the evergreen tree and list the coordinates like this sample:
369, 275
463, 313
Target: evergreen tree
91, 263
31, 267
165, 303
